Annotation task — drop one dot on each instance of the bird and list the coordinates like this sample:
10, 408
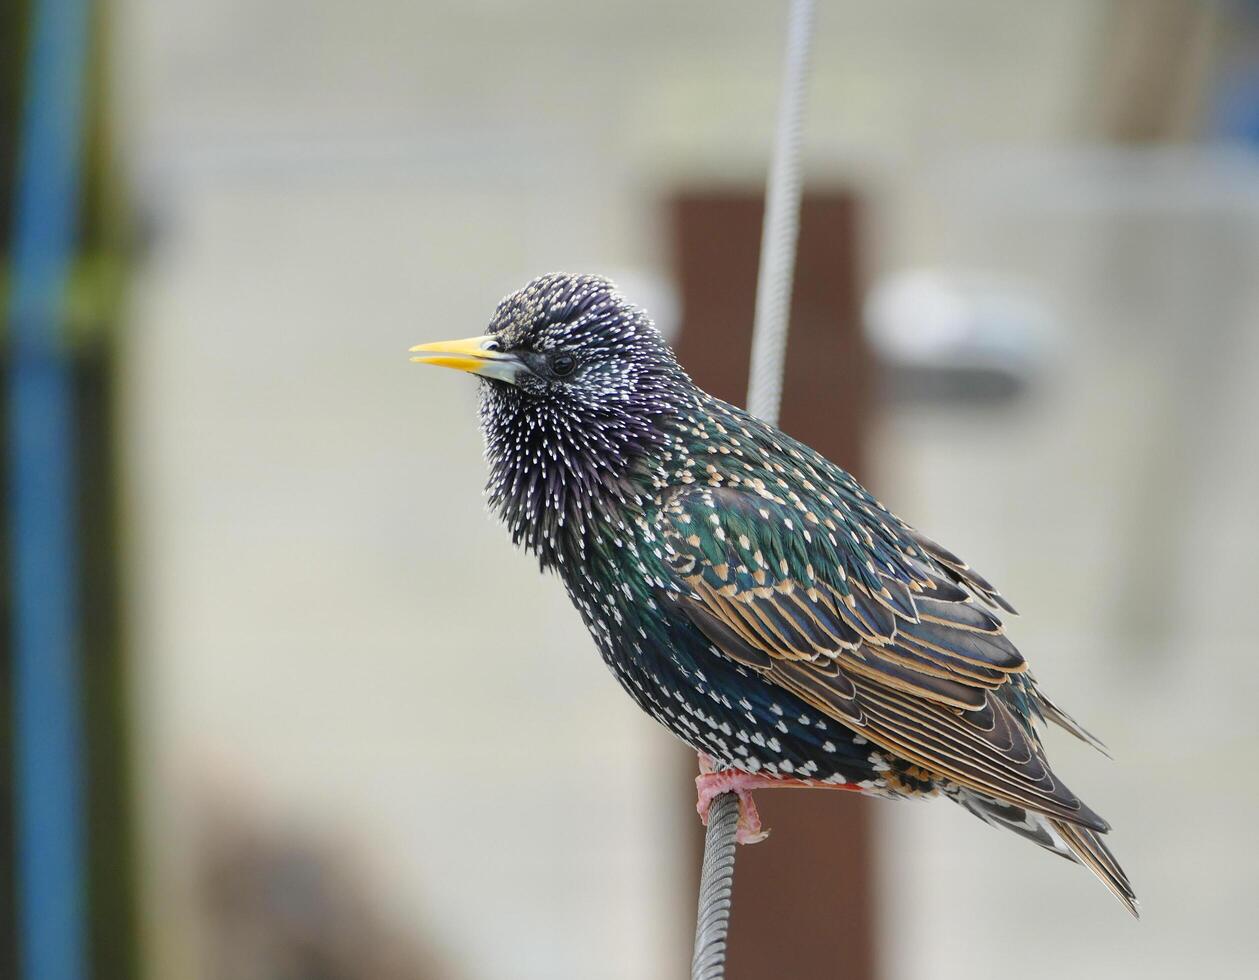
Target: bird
749, 594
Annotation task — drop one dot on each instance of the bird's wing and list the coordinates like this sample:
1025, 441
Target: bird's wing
867, 623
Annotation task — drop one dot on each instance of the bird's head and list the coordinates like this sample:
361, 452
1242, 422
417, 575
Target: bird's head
577, 382
562, 341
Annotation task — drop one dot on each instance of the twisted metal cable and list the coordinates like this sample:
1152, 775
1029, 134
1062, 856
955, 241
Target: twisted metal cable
716, 883
779, 231
781, 224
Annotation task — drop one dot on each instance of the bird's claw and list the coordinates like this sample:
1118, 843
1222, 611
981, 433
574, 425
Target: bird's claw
710, 785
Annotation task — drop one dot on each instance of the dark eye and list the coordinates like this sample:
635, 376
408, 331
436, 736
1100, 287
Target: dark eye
562, 365
491, 345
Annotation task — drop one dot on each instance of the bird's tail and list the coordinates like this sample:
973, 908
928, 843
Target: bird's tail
1075, 843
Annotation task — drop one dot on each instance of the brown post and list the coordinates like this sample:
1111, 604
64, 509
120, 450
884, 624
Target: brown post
803, 900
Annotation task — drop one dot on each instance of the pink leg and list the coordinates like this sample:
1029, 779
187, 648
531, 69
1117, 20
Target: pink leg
711, 783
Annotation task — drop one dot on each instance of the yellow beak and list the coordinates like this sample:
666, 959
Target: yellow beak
476, 355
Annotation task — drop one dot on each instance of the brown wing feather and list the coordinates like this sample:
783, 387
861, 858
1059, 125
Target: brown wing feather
917, 667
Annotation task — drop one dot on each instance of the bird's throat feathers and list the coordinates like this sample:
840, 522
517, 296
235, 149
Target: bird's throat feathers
566, 469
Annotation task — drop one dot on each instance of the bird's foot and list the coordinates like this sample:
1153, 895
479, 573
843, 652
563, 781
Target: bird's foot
712, 782
710, 785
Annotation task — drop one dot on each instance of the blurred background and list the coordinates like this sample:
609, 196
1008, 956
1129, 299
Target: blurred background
306, 715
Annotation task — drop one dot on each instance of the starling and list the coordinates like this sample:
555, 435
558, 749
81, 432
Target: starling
749, 594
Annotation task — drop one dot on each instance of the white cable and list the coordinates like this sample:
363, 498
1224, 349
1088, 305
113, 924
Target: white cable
779, 232
716, 882
781, 225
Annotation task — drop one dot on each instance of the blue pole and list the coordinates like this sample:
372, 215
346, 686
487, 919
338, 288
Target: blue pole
48, 766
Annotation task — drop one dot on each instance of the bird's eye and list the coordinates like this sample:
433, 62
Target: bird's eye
491, 345
562, 365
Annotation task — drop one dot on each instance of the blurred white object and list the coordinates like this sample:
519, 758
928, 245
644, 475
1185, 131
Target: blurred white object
950, 335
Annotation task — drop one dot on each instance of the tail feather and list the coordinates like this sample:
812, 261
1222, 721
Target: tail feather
1089, 850
1068, 840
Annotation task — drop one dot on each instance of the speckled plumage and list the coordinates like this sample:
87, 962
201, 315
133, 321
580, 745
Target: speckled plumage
750, 595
